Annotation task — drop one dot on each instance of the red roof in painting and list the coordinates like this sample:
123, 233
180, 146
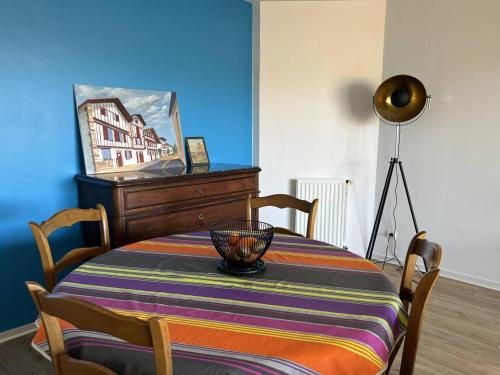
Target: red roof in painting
150, 132
116, 101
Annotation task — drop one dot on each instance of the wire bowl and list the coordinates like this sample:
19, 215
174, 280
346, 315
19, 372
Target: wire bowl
241, 244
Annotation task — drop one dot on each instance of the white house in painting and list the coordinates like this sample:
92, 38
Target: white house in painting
137, 133
164, 148
151, 141
118, 138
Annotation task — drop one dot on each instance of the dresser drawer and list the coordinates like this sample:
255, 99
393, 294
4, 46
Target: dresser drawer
162, 224
135, 199
146, 204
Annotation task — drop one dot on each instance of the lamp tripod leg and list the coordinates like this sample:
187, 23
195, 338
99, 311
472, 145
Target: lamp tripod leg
408, 196
380, 210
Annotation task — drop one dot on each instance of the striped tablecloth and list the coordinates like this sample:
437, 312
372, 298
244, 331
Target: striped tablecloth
316, 309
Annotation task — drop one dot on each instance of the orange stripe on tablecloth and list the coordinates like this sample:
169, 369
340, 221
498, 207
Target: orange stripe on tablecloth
172, 248
41, 336
320, 357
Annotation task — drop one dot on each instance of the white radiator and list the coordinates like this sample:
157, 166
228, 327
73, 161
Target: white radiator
331, 219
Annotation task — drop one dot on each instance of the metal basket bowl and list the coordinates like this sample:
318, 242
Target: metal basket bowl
241, 244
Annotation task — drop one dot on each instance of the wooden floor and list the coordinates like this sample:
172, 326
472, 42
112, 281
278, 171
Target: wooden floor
461, 335
18, 357
461, 330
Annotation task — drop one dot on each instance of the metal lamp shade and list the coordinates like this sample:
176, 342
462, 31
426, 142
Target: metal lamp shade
400, 99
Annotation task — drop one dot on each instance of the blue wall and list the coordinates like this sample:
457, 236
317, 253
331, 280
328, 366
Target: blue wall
199, 48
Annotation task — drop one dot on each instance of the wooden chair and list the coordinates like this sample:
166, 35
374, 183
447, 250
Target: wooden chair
416, 300
87, 316
431, 254
66, 218
286, 201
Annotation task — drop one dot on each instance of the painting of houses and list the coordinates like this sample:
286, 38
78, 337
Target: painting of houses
126, 129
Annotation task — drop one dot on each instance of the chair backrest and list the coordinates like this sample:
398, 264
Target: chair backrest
86, 316
286, 201
431, 254
66, 218
415, 301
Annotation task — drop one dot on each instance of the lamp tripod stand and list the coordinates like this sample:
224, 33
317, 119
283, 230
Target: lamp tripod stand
393, 163
399, 100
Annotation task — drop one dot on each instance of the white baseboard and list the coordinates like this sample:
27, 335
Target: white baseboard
466, 278
17, 332
459, 276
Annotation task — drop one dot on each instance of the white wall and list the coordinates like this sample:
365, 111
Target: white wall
320, 62
451, 154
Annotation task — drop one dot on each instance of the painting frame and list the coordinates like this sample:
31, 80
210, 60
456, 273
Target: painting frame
126, 130
199, 157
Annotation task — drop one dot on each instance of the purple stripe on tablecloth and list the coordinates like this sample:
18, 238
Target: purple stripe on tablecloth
239, 295
368, 338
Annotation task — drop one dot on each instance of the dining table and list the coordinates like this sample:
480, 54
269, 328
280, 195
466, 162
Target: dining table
316, 309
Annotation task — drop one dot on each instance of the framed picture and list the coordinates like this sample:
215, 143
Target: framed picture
128, 130
197, 151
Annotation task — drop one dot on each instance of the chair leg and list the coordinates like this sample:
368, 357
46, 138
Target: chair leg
393, 355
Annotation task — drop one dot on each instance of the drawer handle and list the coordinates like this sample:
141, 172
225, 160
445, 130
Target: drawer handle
202, 220
200, 191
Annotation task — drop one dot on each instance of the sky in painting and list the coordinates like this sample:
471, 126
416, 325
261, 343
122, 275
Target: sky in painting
152, 105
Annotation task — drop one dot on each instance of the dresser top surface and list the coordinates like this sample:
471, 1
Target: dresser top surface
155, 175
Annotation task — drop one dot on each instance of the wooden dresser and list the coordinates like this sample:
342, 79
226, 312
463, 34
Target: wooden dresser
146, 204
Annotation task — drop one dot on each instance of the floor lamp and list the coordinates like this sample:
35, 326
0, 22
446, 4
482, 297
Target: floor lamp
398, 101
